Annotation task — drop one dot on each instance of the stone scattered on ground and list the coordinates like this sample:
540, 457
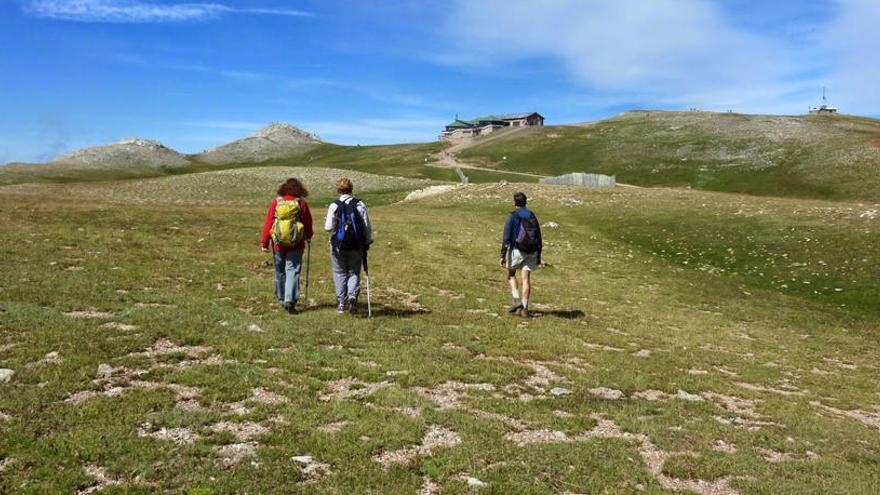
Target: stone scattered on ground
558, 391
105, 370
6, 375
115, 325
681, 394
607, 393
88, 313
471, 481
253, 327
722, 445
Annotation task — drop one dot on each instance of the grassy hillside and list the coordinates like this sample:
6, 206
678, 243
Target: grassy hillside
829, 157
675, 347
403, 160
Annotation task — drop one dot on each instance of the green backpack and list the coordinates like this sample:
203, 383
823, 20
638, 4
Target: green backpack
288, 229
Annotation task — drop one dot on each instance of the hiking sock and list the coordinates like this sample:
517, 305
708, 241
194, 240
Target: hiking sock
525, 303
515, 294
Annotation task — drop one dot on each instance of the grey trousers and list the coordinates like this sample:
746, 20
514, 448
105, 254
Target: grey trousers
346, 273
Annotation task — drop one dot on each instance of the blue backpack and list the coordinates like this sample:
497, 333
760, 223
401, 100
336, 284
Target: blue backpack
350, 229
528, 237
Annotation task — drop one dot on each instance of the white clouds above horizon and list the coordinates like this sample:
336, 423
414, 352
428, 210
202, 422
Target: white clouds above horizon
676, 52
136, 11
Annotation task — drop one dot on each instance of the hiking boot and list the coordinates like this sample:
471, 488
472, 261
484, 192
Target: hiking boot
524, 312
352, 306
292, 308
340, 308
516, 307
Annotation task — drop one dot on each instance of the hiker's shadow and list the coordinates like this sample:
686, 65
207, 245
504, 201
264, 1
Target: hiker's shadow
396, 312
565, 314
379, 310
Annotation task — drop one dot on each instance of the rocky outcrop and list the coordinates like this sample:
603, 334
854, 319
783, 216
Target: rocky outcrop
131, 152
276, 140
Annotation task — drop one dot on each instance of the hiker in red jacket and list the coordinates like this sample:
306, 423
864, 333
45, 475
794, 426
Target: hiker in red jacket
289, 226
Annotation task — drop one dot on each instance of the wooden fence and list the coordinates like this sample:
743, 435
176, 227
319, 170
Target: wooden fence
581, 179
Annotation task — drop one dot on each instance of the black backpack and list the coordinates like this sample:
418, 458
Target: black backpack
528, 237
350, 232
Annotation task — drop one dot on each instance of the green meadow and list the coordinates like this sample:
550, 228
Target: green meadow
682, 341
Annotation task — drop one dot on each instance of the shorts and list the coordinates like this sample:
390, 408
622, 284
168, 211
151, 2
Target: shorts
517, 260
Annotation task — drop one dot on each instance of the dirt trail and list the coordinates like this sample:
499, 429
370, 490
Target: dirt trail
447, 159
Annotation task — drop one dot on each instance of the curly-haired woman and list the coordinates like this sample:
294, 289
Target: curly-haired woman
288, 226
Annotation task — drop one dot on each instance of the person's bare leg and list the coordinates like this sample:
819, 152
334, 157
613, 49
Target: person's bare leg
514, 291
526, 291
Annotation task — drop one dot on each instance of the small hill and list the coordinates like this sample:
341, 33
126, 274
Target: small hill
830, 157
131, 152
276, 140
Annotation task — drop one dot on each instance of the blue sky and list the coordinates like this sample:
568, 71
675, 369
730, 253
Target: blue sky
197, 74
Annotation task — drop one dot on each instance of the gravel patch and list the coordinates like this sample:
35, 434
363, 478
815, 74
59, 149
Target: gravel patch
234, 453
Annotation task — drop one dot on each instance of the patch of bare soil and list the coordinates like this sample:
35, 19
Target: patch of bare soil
428, 487
525, 437
114, 382
312, 470
243, 431
722, 445
406, 299
652, 456
607, 393
164, 347
652, 395
88, 313
791, 390
180, 436
5, 463
233, 453
264, 396
102, 480
435, 437
333, 427
868, 418
773, 456
115, 325
350, 388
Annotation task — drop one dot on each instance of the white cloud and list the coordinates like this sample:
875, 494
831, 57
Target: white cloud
848, 51
136, 11
671, 52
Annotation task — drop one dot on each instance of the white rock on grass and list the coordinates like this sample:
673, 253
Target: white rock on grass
688, 396
552, 225
105, 370
6, 375
471, 481
253, 327
557, 391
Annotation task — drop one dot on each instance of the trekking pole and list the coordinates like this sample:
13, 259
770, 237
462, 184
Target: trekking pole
367, 277
308, 268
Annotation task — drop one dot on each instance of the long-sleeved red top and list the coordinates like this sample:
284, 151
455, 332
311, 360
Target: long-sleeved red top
270, 219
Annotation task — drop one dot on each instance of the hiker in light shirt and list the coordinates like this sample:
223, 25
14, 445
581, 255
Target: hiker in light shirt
350, 237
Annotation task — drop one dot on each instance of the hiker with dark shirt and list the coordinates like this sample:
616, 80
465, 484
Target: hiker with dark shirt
288, 226
350, 237
521, 250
